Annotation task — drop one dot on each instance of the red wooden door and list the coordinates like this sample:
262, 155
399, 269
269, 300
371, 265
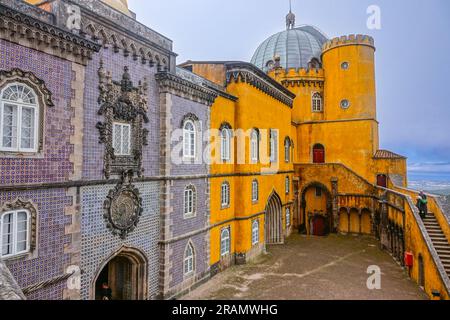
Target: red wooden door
319, 226
382, 180
319, 155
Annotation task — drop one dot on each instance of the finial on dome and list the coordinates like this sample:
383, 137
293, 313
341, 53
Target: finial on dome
290, 18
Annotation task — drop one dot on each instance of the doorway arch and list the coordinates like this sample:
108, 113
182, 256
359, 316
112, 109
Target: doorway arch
126, 273
316, 209
273, 225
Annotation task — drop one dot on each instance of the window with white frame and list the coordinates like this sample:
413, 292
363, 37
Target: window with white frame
254, 146
288, 185
317, 102
225, 194
190, 196
189, 258
225, 242
288, 217
19, 119
122, 139
255, 232
273, 146
14, 233
189, 136
255, 190
225, 144
287, 150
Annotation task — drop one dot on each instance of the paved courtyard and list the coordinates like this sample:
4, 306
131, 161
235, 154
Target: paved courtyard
329, 268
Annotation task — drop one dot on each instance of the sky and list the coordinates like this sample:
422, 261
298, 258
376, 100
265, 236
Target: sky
412, 57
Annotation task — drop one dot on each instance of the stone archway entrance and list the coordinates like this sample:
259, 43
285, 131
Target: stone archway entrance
126, 274
316, 210
274, 227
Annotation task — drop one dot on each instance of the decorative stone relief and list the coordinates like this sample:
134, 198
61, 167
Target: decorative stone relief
123, 207
120, 101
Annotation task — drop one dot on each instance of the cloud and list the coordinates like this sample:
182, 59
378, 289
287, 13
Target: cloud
429, 167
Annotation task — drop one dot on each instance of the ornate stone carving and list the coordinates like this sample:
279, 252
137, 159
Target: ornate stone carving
17, 26
121, 101
123, 207
20, 204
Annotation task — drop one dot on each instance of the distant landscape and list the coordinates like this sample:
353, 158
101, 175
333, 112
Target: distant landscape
437, 183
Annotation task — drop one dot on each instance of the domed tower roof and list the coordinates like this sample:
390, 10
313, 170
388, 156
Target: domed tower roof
295, 47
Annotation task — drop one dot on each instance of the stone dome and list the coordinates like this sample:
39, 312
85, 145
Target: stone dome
295, 47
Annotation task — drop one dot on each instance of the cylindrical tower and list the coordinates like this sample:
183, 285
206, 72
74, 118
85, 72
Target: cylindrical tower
349, 64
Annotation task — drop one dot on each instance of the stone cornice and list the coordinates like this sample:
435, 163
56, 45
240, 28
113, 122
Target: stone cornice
168, 82
247, 73
18, 27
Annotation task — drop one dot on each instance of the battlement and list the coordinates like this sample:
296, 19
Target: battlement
310, 74
352, 39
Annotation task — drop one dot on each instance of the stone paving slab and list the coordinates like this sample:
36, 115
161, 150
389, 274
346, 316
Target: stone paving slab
313, 268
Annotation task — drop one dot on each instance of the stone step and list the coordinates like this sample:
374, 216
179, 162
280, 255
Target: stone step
438, 237
433, 228
442, 249
432, 224
435, 232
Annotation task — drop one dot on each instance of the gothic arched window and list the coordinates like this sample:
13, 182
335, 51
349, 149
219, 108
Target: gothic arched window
254, 146
317, 105
225, 242
189, 259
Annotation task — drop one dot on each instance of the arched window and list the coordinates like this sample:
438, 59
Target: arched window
317, 105
287, 150
318, 153
288, 217
225, 144
273, 146
189, 139
287, 185
254, 146
190, 200
14, 233
189, 260
225, 242
19, 119
255, 191
255, 232
225, 194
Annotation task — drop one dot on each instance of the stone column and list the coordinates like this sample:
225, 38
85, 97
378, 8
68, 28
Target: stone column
335, 204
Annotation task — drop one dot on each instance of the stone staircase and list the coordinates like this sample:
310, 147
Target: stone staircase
440, 242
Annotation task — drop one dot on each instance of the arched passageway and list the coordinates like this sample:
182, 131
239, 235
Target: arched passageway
125, 273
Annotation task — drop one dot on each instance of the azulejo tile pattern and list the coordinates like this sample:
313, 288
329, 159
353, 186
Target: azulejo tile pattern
98, 244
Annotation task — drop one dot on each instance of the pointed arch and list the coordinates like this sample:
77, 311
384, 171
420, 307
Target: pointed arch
274, 225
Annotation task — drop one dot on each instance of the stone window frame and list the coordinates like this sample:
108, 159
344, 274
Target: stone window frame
30, 208
225, 205
228, 242
273, 146
43, 99
255, 231
191, 272
287, 150
254, 149
287, 184
316, 102
193, 213
255, 191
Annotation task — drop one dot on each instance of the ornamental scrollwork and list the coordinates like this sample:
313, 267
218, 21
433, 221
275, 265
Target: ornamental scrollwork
123, 207
121, 102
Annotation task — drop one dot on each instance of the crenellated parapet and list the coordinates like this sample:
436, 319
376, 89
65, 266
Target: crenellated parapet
363, 40
299, 77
